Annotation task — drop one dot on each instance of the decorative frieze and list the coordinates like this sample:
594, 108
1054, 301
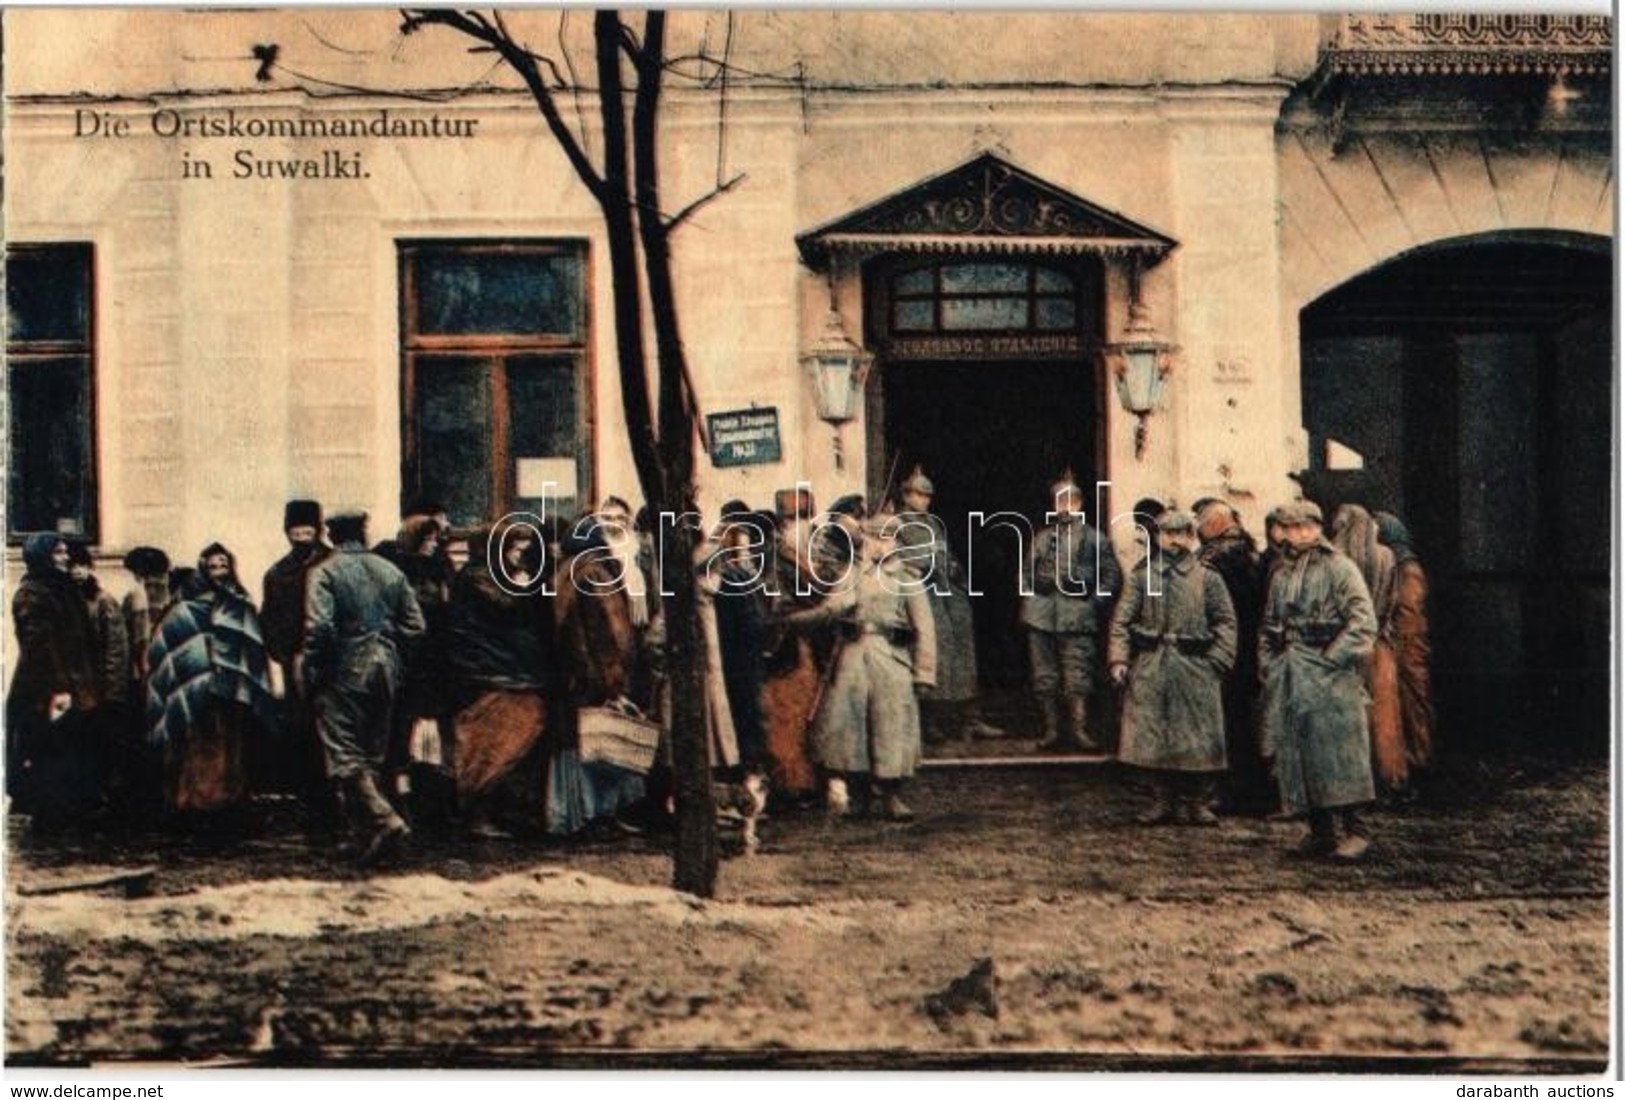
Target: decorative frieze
1470, 43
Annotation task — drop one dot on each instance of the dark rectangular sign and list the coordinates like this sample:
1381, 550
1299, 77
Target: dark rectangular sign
746, 437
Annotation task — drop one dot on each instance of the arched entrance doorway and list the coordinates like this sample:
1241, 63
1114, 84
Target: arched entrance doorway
1467, 387
987, 377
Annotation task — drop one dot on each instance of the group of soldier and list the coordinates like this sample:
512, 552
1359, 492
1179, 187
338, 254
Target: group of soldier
837, 643
1292, 682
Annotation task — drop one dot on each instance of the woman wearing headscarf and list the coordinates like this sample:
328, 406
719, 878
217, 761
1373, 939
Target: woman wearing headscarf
54, 688
208, 687
597, 654
501, 655
1407, 630
1354, 533
424, 746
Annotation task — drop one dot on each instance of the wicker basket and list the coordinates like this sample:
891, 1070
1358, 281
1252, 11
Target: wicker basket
611, 735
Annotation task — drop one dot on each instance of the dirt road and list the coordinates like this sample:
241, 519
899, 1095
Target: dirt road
1476, 937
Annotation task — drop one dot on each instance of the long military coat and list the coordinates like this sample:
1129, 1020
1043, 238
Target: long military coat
1318, 632
1178, 645
925, 540
868, 720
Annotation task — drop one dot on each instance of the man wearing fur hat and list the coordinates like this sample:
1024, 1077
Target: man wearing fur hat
1072, 577
1318, 632
360, 614
868, 723
1170, 646
296, 763
950, 710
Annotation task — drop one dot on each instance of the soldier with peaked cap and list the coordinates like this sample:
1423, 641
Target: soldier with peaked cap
360, 614
951, 707
1171, 645
1071, 578
1317, 634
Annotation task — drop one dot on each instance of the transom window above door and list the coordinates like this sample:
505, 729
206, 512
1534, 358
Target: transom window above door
983, 297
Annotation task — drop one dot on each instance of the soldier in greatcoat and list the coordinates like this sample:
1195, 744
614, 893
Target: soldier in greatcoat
1072, 578
868, 722
951, 709
1172, 640
1317, 634
360, 616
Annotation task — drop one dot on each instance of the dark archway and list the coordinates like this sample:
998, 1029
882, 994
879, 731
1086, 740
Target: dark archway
1467, 386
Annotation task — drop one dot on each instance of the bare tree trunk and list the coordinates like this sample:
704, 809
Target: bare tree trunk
695, 869
628, 194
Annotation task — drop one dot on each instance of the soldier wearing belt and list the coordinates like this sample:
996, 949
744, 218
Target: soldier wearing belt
1171, 647
1072, 577
1318, 632
868, 723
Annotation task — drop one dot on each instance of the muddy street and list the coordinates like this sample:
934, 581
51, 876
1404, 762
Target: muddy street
1021, 919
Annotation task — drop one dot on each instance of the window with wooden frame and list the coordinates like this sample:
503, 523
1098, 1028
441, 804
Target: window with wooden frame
51, 390
495, 384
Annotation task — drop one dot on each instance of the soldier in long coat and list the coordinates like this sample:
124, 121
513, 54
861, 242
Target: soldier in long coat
360, 615
951, 709
1317, 635
868, 723
1072, 576
1172, 646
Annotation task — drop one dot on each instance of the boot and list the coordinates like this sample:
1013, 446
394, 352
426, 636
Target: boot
1077, 707
972, 723
1161, 810
893, 805
385, 828
1194, 809
1049, 710
1322, 838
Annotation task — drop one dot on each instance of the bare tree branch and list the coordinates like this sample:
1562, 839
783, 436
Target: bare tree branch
694, 207
523, 62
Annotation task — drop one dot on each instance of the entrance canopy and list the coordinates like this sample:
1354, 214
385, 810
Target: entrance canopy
986, 205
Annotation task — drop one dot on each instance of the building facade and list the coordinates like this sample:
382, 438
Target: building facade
256, 255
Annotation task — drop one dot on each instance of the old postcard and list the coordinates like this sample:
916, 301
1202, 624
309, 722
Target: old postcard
809, 538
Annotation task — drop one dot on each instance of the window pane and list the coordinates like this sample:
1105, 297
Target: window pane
1049, 279
914, 316
50, 476
543, 423
453, 435
960, 278
48, 294
1057, 313
984, 313
915, 282
498, 293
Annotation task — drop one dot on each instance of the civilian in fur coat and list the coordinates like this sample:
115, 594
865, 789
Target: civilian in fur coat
293, 761
503, 661
54, 689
